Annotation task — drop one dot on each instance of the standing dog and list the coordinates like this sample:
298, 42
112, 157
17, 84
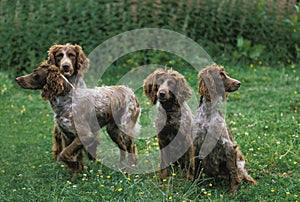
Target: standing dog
115, 107
72, 62
174, 119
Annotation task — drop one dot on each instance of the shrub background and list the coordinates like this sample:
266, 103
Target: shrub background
229, 30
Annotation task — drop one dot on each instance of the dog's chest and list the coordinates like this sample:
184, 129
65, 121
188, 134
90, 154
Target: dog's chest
171, 124
168, 123
63, 116
66, 124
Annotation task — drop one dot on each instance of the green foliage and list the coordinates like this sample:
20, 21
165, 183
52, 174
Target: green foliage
263, 117
246, 51
29, 28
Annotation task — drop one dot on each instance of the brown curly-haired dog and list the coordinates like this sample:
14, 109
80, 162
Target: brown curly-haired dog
72, 62
115, 107
214, 146
174, 119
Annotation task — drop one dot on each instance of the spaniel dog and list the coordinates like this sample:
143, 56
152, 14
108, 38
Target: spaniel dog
216, 153
174, 119
115, 107
72, 62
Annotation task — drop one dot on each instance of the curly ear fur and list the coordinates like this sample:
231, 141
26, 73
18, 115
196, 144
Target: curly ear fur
210, 83
150, 87
184, 92
51, 54
54, 84
82, 62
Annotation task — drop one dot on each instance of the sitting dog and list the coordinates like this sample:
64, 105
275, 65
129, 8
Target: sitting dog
174, 119
214, 146
115, 107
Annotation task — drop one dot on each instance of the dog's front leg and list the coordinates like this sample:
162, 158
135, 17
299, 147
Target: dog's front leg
70, 156
164, 168
235, 179
57, 143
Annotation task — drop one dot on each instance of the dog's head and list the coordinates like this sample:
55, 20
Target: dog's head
69, 58
165, 85
215, 82
46, 78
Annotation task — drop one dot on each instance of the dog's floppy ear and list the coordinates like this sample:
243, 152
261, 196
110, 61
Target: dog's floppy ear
54, 84
51, 54
202, 89
210, 83
150, 87
82, 62
184, 92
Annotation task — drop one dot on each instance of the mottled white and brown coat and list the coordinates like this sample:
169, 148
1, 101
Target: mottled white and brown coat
216, 153
174, 119
80, 113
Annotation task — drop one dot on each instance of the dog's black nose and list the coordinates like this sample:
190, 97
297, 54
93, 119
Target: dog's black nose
66, 67
238, 84
162, 94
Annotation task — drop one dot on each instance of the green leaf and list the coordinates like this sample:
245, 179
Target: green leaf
240, 41
256, 51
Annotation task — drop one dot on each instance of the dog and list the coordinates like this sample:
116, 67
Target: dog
115, 107
174, 119
216, 153
72, 62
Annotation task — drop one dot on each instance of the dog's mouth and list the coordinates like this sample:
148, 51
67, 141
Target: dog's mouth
162, 96
67, 70
67, 73
162, 99
232, 89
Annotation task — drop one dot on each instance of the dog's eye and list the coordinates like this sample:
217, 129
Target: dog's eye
223, 74
59, 55
172, 83
159, 81
72, 55
36, 76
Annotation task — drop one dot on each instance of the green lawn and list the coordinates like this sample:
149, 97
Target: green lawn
263, 117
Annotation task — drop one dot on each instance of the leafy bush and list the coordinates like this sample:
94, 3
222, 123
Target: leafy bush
29, 28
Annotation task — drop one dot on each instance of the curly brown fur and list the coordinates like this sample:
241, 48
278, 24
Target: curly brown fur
216, 152
72, 62
115, 107
69, 58
174, 119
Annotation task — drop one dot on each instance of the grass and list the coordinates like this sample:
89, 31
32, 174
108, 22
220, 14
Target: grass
263, 117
